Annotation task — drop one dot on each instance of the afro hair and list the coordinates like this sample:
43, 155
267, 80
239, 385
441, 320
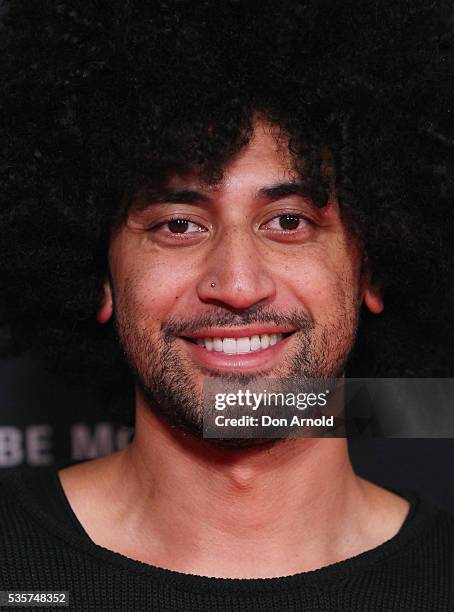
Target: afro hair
102, 98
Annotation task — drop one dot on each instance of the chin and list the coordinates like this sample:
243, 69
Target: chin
242, 443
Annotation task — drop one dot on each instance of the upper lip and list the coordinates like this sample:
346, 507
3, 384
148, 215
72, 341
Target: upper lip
239, 332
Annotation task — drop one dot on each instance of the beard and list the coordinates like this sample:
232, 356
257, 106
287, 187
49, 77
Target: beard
171, 383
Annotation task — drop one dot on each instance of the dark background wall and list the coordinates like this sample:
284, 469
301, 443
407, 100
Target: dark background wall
44, 422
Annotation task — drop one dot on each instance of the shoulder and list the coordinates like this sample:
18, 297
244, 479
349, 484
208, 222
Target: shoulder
440, 527
34, 529
11, 486
22, 531
424, 548
22, 498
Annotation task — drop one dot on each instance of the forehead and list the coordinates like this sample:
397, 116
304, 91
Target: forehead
263, 169
264, 158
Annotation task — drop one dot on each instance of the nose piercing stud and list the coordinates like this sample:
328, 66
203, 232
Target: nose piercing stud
213, 284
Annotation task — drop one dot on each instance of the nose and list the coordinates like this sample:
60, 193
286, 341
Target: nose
238, 272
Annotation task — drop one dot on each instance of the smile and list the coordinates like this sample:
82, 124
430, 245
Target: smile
229, 350
239, 346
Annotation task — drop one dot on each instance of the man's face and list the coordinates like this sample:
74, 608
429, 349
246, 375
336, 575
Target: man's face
242, 279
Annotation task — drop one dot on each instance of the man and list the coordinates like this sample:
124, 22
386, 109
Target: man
234, 193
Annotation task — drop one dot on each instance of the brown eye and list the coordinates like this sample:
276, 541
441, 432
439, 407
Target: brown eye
289, 222
288, 225
178, 226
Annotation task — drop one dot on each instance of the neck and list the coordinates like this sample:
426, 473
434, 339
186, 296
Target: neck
253, 505
219, 485
177, 502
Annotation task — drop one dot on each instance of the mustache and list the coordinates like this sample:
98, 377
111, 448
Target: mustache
298, 319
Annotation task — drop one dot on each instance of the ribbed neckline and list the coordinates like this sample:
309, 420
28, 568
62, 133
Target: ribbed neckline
327, 577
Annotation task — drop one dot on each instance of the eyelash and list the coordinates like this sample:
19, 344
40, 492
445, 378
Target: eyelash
293, 216
183, 218
177, 218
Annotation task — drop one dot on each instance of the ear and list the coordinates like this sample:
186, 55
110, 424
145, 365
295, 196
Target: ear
105, 309
373, 298
371, 289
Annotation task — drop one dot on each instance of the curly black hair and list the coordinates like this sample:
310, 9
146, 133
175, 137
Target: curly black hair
102, 98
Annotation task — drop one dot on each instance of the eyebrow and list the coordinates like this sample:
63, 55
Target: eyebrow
284, 190
172, 196
271, 193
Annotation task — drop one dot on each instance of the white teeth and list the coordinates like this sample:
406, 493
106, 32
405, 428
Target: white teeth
233, 346
243, 345
217, 345
264, 341
255, 343
229, 346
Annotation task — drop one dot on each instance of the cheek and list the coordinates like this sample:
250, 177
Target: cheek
324, 281
154, 287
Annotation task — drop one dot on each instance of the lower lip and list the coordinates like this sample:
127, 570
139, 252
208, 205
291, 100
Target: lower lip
262, 359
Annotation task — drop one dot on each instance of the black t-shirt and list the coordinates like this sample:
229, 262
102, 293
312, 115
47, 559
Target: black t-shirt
44, 547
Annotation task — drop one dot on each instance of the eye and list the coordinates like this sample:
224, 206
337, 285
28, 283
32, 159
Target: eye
287, 222
182, 226
178, 226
